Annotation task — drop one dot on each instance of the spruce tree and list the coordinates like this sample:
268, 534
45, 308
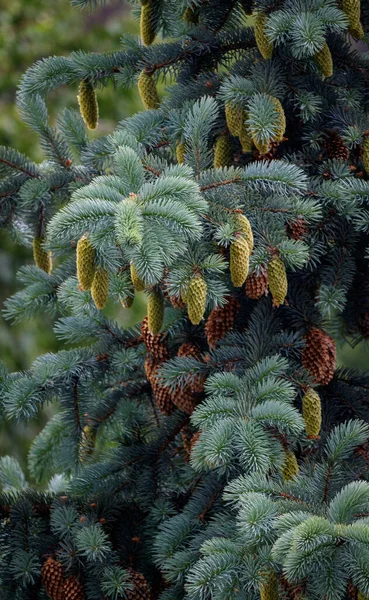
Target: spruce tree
215, 452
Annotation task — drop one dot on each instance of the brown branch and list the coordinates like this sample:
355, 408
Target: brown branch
17, 168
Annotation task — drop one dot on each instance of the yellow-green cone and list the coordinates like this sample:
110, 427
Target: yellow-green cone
180, 152
100, 287
290, 468
223, 152
366, 154
281, 119
244, 227
312, 413
87, 444
234, 118
88, 105
352, 10
264, 45
147, 25
155, 312
85, 263
138, 283
41, 257
196, 299
245, 138
239, 256
262, 146
277, 278
324, 60
269, 588
147, 90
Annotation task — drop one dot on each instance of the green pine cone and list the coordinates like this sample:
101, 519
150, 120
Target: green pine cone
245, 137
366, 154
264, 45
147, 90
269, 588
281, 119
223, 152
196, 299
324, 60
244, 227
147, 24
290, 467
278, 283
87, 444
85, 263
352, 10
239, 261
155, 312
100, 287
88, 105
180, 152
138, 283
234, 118
312, 413
42, 257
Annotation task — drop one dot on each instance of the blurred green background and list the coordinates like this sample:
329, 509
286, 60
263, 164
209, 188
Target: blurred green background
30, 30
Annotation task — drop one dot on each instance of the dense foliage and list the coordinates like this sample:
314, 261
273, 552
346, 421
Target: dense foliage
215, 452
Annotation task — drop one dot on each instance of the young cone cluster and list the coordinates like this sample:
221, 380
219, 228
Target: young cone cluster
140, 589
147, 90
41, 257
88, 105
352, 10
196, 299
312, 413
257, 285
239, 256
277, 280
147, 24
319, 355
100, 287
73, 589
290, 467
85, 263
223, 154
269, 588
323, 59
155, 311
52, 578
263, 43
221, 321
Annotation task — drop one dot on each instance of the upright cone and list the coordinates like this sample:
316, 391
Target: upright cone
155, 312
277, 279
88, 105
264, 45
147, 90
312, 413
100, 287
85, 263
245, 137
223, 153
41, 257
196, 299
239, 261
323, 59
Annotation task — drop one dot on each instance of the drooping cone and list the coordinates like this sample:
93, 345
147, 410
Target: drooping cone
296, 229
269, 587
147, 90
147, 24
52, 577
366, 154
335, 148
239, 261
180, 152
281, 119
221, 321
244, 227
85, 263
87, 444
141, 590
88, 105
188, 349
155, 344
245, 137
41, 257
312, 413
290, 467
323, 59
100, 287
138, 283
73, 589
234, 118
256, 285
352, 10
277, 280
155, 311
163, 395
264, 45
196, 299
184, 399
223, 152
261, 145
319, 355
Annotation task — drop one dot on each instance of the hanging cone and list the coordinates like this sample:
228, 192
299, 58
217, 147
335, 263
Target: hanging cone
52, 577
264, 45
239, 261
221, 321
223, 152
147, 90
319, 355
323, 59
100, 287
188, 349
257, 285
269, 587
88, 105
147, 24
180, 152
335, 148
352, 10
155, 312
163, 396
277, 279
155, 344
281, 125
244, 227
234, 118
73, 589
87, 444
85, 260
141, 590
196, 299
296, 229
137, 282
41, 257
366, 154
312, 413
245, 138
184, 399
290, 467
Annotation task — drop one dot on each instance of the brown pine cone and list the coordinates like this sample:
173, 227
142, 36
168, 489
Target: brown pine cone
52, 577
176, 302
335, 148
296, 229
155, 344
257, 285
184, 399
141, 590
319, 355
191, 350
73, 589
221, 321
